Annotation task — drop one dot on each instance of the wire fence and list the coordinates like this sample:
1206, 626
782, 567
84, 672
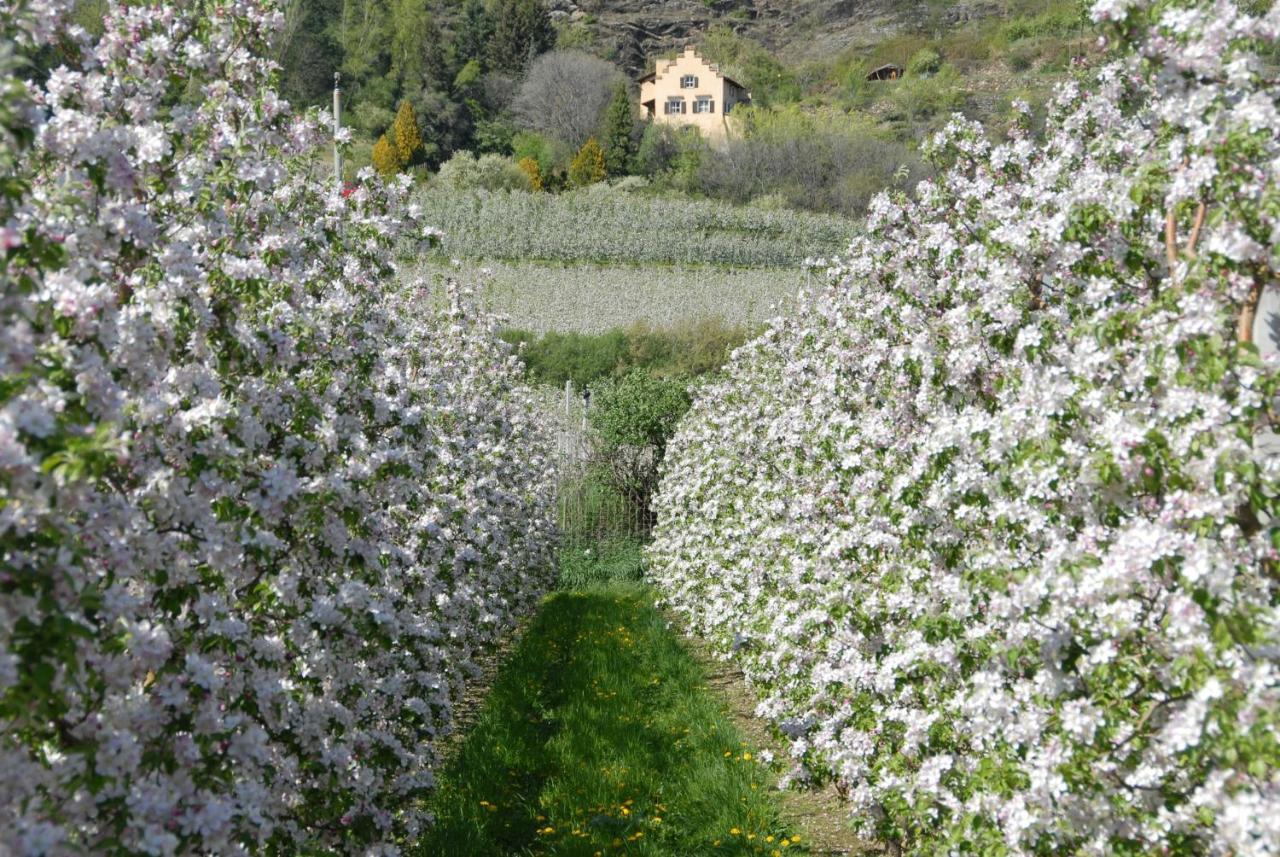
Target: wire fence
591, 510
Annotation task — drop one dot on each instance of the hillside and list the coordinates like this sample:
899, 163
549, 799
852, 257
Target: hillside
818, 52
634, 31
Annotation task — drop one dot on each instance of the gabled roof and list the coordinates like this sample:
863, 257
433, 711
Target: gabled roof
665, 66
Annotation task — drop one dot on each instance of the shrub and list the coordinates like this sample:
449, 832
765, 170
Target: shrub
1022, 57
464, 171
548, 154
924, 62
1059, 22
371, 118
919, 99
633, 418
992, 524
582, 358
685, 350
822, 161
748, 62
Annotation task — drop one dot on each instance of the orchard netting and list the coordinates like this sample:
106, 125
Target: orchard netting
991, 523
260, 504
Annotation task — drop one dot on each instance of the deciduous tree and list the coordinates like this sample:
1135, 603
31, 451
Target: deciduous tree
565, 94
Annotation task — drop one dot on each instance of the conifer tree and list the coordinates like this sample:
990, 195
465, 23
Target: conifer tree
385, 159
588, 165
473, 30
521, 30
619, 132
406, 135
530, 168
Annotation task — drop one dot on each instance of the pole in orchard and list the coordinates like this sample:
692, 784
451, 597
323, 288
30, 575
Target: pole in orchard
337, 126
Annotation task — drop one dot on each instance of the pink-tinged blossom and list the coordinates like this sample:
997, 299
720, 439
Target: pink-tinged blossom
216, 400
1016, 474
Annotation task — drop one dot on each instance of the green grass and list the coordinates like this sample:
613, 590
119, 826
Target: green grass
599, 737
615, 560
686, 350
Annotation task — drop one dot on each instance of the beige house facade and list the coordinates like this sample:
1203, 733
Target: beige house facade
689, 90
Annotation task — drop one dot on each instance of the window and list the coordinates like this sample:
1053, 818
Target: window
675, 104
689, 81
704, 104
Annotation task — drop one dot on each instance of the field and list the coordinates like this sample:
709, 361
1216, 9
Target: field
604, 224
593, 260
591, 297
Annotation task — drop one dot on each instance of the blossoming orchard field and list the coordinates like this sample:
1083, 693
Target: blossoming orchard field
989, 523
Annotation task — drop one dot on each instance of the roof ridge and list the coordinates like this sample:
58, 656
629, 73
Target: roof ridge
688, 49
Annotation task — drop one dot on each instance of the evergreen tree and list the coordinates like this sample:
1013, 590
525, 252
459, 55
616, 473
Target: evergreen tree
472, 32
406, 135
619, 132
385, 158
521, 30
588, 165
530, 168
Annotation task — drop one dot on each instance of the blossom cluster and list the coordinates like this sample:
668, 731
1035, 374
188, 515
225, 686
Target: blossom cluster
261, 504
991, 524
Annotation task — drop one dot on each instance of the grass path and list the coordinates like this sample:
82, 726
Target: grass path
600, 737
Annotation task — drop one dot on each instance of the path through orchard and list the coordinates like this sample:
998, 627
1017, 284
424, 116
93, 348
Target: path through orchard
601, 736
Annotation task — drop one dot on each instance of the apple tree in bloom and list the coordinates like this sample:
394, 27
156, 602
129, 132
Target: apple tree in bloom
991, 524
260, 505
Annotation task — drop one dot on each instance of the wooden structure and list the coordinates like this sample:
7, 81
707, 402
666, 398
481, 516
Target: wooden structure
888, 71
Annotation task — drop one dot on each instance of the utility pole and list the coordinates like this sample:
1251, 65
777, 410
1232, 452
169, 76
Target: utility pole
337, 126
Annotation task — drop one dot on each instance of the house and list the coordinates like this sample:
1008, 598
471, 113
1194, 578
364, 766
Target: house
886, 72
689, 90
